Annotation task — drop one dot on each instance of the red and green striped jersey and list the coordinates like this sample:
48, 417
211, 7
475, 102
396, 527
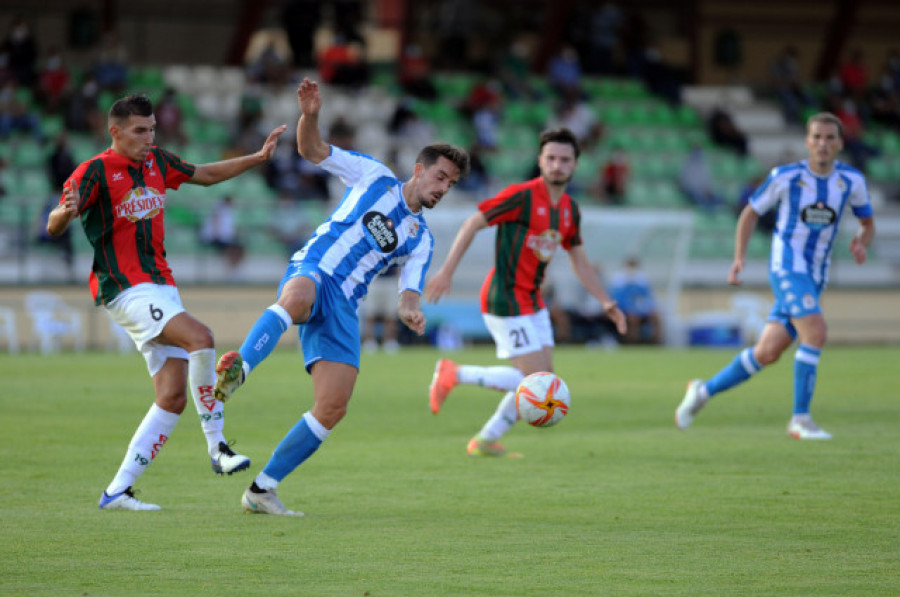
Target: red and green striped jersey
529, 228
122, 208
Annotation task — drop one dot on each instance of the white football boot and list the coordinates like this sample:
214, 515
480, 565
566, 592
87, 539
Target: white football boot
690, 405
803, 427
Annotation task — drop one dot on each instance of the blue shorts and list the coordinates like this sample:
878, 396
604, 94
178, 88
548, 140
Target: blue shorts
332, 331
796, 295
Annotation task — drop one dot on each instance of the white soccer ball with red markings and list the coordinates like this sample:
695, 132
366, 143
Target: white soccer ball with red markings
542, 399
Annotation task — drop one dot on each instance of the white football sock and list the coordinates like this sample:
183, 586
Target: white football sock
264, 481
502, 420
505, 379
202, 380
148, 440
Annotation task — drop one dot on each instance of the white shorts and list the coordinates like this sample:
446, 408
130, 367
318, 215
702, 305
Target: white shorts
143, 311
522, 334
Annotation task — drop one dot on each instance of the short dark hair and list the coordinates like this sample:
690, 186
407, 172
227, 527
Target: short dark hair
826, 118
560, 135
131, 105
430, 153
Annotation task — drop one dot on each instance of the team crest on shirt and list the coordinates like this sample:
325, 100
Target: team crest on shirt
413, 229
544, 244
381, 229
141, 203
808, 301
818, 215
149, 163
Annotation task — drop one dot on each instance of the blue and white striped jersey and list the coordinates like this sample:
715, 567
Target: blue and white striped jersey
370, 230
809, 212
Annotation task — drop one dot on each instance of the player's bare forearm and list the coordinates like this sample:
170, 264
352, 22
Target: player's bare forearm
410, 312
215, 172
861, 241
743, 231
309, 140
439, 285
61, 216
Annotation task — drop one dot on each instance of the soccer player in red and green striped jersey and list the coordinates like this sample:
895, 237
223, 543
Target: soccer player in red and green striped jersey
532, 219
120, 197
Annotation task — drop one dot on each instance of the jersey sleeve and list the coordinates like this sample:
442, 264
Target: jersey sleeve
860, 204
176, 170
503, 207
87, 180
351, 166
573, 238
768, 194
412, 274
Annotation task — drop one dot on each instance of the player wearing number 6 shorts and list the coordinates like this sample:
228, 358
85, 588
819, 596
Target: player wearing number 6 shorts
532, 219
120, 197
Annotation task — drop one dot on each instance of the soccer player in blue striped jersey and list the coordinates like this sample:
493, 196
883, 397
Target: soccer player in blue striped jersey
810, 197
379, 223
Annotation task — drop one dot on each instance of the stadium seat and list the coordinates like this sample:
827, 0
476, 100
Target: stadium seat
53, 320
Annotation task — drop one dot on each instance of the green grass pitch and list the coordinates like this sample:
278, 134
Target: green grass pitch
612, 501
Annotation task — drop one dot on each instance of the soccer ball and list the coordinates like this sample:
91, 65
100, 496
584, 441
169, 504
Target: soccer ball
542, 399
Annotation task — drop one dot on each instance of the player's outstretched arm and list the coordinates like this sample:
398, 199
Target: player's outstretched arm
208, 174
62, 215
410, 311
309, 140
440, 284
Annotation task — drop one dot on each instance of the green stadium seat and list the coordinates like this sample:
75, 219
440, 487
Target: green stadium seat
28, 153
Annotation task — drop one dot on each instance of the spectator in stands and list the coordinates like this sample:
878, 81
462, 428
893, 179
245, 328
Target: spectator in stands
169, 120
476, 183
414, 74
53, 82
272, 65
342, 63
614, 177
83, 114
854, 76
60, 163
21, 48
725, 133
300, 19
15, 115
564, 71
513, 71
659, 77
884, 99
631, 289
788, 85
696, 181
604, 26
219, 231
111, 64
289, 224
574, 113
846, 109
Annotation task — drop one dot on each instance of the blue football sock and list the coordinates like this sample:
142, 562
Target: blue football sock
737, 371
299, 444
806, 363
264, 335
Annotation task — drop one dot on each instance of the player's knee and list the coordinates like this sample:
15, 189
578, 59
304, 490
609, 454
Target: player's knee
173, 402
766, 355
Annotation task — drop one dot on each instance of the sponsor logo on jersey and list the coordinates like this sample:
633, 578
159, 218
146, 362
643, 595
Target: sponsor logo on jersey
141, 203
117, 177
382, 230
149, 164
544, 244
818, 215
